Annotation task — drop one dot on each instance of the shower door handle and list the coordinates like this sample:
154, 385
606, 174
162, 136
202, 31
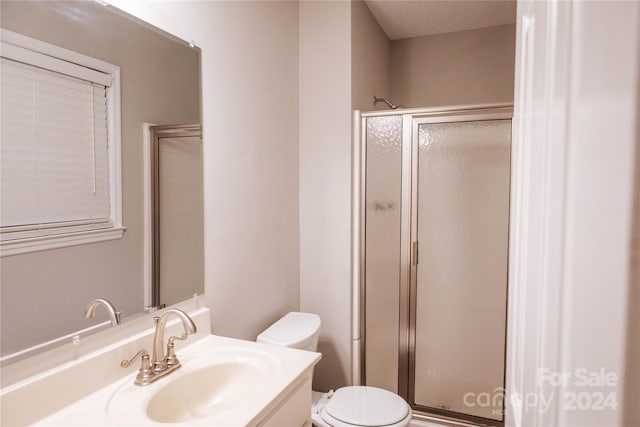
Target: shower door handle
414, 253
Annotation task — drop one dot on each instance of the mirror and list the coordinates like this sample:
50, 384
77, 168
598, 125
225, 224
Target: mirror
44, 294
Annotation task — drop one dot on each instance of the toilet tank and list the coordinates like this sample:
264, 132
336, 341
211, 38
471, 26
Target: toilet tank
294, 330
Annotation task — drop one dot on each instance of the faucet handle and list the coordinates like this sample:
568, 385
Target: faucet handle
142, 353
172, 359
182, 337
145, 373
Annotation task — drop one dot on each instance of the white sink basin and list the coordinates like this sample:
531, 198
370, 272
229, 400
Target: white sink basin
211, 387
205, 392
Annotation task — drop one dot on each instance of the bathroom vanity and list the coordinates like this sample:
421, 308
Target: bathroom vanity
222, 381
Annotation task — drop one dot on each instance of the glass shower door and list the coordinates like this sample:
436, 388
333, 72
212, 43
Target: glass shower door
459, 290
383, 175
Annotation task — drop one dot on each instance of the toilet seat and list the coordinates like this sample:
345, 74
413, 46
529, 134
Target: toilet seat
329, 421
363, 406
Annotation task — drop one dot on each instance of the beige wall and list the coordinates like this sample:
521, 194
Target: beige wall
325, 176
465, 67
44, 294
370, 52
250, 150
632, 372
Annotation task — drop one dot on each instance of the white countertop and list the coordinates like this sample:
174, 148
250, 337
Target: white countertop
123, 403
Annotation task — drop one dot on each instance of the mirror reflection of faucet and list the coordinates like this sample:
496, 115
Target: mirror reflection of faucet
114, 315
163, 362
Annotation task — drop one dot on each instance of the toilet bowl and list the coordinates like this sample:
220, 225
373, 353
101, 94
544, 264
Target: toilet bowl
351, 406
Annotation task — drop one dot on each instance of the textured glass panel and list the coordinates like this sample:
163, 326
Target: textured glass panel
382, 222
181, 218
463, 210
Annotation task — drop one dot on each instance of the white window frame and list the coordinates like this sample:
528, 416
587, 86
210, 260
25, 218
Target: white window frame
77, 233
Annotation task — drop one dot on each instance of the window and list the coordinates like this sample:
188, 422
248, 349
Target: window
59, 147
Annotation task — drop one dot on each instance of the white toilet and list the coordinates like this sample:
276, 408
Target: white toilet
347, 406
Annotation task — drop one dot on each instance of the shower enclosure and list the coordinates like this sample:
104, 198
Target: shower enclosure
432, 189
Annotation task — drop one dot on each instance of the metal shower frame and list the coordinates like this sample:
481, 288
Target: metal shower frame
411, 120
155, 134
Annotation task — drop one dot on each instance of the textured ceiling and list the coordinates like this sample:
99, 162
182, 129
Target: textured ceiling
402, 19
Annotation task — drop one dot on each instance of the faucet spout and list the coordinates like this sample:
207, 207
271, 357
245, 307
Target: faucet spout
159, 362
114, 315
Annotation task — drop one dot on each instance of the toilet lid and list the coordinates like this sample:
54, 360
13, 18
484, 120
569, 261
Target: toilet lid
367, 406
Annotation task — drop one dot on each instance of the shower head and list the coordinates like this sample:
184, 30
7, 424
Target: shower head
386, 101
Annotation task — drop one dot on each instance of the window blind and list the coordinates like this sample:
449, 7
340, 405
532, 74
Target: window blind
54, 156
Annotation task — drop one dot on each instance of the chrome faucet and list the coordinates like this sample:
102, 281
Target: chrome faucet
162, 363
114, 315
